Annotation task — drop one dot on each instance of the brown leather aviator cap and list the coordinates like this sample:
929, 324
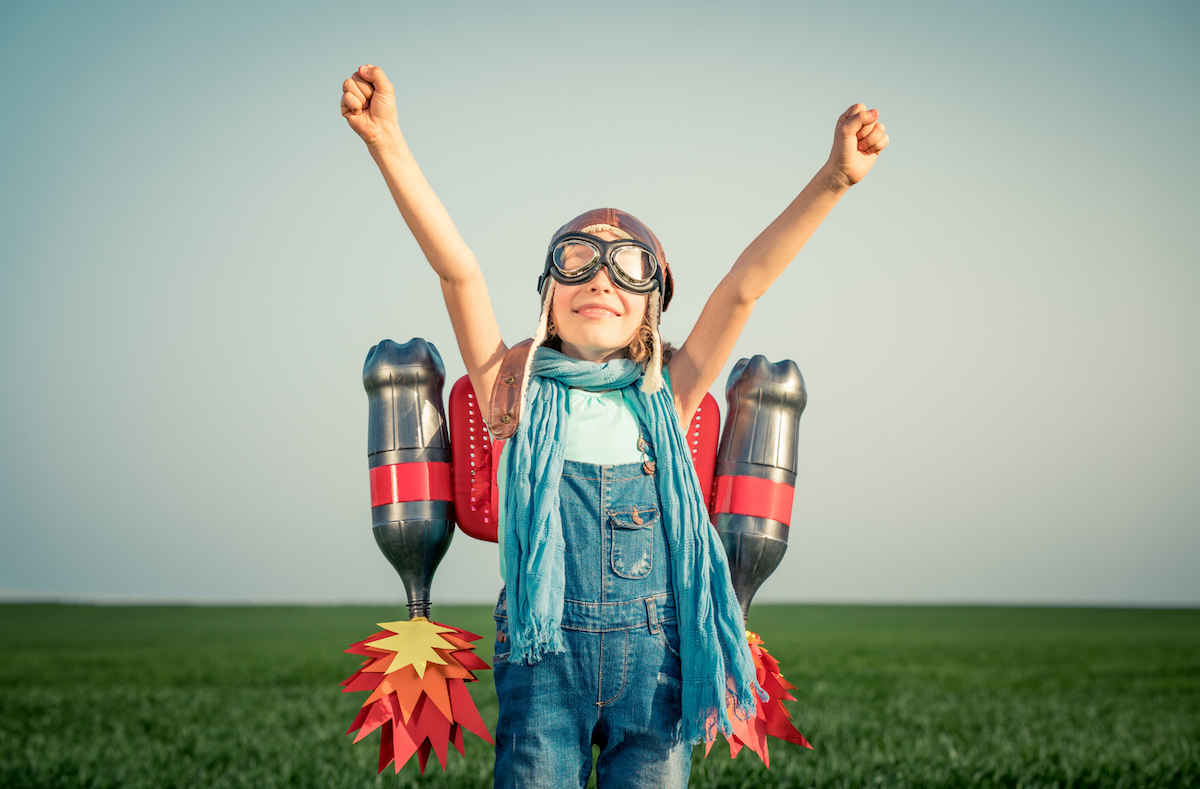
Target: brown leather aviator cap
631, 225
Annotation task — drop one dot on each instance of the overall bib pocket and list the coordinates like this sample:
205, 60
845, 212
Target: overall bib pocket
633, 541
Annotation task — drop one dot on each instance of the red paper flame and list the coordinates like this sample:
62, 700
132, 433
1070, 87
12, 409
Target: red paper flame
418, 714
770, 718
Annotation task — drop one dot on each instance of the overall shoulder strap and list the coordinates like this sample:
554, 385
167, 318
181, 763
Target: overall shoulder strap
508, 391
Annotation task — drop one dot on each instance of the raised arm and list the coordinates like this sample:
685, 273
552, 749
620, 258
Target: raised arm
857, 141
369, 106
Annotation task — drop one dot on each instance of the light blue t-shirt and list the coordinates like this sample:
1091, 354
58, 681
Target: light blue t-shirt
602, 430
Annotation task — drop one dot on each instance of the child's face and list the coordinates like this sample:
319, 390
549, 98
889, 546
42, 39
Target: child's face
596, 320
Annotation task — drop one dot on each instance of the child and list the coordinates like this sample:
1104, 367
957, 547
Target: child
617, 625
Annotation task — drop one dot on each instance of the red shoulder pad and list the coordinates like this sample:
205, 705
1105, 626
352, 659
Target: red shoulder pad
471, 464
702, 435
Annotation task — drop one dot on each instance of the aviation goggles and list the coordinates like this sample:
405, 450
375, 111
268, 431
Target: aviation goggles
575, 258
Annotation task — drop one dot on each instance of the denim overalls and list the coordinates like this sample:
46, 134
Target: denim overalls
618, 684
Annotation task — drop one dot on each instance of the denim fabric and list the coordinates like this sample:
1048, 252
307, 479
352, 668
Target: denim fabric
618, 683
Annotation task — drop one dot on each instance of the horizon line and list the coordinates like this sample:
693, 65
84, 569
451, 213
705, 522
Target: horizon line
31, 597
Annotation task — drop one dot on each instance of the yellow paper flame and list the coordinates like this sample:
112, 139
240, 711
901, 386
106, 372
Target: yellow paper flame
414, 642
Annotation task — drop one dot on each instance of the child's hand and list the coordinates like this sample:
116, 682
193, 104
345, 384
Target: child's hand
857, 142
369, 105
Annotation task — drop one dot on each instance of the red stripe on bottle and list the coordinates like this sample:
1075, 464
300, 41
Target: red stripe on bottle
759, 498
410, 482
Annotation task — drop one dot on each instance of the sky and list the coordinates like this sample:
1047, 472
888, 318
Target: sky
999, 328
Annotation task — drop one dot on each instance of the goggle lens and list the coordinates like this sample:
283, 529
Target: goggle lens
637, 263
573, 255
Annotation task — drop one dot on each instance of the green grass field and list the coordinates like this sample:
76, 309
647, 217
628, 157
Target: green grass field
917, 696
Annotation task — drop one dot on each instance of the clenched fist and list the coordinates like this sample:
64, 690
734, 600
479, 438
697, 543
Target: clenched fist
857, 142
369, 105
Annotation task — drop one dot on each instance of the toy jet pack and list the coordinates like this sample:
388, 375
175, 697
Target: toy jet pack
428, 474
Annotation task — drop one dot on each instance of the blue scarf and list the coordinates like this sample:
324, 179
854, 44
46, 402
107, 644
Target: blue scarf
715, 654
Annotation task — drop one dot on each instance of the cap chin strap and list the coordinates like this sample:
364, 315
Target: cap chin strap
652, 379
512, 380
539, 336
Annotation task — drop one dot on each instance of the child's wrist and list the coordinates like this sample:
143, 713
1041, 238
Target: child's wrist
388, 143
832, 179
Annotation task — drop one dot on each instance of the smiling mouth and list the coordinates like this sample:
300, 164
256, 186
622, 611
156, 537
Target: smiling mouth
596, 311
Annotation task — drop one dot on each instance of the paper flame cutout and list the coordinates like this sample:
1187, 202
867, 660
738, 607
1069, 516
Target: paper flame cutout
770, 717
416, 672
415, 644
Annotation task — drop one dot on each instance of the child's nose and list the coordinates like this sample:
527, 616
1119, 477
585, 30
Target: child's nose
601, 282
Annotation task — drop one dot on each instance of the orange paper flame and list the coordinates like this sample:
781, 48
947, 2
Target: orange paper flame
422, 704
770, 717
